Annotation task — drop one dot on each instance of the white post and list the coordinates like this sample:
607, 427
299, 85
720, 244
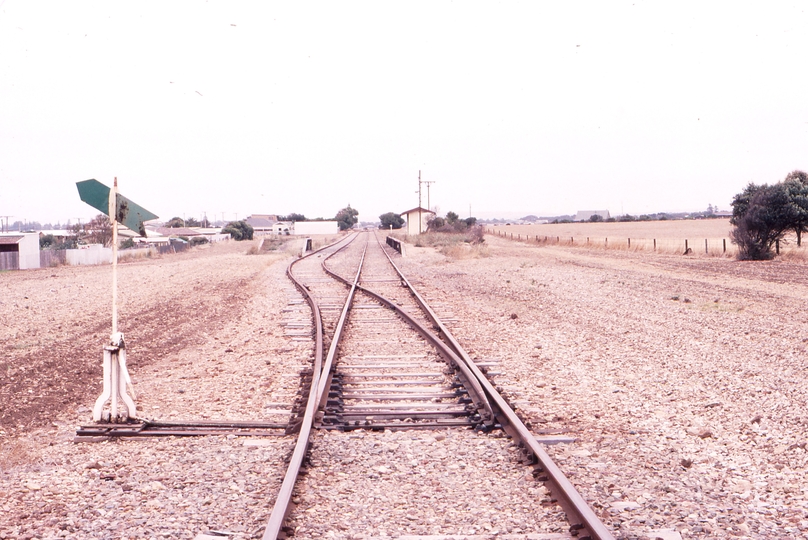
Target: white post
116, 376
113, 211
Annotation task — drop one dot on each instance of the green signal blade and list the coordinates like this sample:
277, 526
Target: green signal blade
127, 213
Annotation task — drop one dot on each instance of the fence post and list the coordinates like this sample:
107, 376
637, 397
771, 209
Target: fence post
558, 240
606, 242
654, 244
777, 246
686, 245
725, 245
629, 243
705, 247
572, 240
587, 240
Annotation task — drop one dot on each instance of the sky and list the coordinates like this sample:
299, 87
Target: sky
509, 108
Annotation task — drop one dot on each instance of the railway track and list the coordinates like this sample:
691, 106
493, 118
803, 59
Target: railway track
384, 361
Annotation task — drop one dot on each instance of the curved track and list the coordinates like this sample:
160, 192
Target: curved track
392, 364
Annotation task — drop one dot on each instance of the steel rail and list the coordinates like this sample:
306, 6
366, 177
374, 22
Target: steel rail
473, 386
153, 428
582, 518
282, 507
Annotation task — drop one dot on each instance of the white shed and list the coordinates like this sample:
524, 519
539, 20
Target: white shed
417, 220
19, 251
307, 228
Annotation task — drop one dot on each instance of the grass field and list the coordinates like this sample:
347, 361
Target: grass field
703, 236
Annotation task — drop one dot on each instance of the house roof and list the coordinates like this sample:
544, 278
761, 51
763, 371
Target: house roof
10, 239
416, 209
261, 222
177, 231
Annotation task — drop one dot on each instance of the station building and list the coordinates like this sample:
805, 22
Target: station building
417, 220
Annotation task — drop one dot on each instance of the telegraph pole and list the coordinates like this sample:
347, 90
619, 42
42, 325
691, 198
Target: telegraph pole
4, 229
428, 183
428, 204
420, 219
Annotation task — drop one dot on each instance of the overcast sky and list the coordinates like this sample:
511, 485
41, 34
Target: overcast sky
509, 107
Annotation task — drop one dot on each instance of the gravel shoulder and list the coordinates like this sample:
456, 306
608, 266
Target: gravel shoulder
681, 378
204, 341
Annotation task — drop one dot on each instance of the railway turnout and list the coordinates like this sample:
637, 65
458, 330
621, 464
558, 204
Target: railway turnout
391, 364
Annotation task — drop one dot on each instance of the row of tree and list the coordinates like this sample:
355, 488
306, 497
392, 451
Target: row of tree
763, 214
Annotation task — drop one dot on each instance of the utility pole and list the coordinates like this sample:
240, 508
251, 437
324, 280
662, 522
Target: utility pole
4, 229
428, 204
420, 220
428, 183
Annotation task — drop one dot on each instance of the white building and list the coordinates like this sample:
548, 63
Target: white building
19, 251
417, 220
308, 228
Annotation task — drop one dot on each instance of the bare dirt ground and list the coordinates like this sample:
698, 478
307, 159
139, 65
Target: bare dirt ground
204, 340
682, 380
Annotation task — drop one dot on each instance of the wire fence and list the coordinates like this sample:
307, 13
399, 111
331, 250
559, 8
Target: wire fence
711, 247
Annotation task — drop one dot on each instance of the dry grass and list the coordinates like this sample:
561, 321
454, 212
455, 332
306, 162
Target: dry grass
685, 228
452, 245
705, 237
466, 251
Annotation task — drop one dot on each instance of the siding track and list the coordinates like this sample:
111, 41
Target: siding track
391, 365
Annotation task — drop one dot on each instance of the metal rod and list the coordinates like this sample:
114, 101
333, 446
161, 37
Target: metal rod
113, 196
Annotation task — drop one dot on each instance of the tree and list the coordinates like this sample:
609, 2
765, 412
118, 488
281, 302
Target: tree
595, 218
346, 218
239, 230
761, 216
97, 231
391, 220
435, 224
46, 241
796, 185
451, 218
175, 223
292, 217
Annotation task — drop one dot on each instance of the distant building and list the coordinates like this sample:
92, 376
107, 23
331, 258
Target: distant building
306, 228
265, 224
586, 215
417, 220
19, 251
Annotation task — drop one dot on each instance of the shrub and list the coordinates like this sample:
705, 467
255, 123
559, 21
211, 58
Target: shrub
239, 230
761, 216
391, 220
347, 218
198, 240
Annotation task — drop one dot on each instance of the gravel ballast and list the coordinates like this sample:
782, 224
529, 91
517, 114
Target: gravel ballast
680, 379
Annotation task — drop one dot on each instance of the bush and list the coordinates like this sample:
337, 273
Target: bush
239, 230
129, 243
761, 216
347, 218
198, 241
391, 220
